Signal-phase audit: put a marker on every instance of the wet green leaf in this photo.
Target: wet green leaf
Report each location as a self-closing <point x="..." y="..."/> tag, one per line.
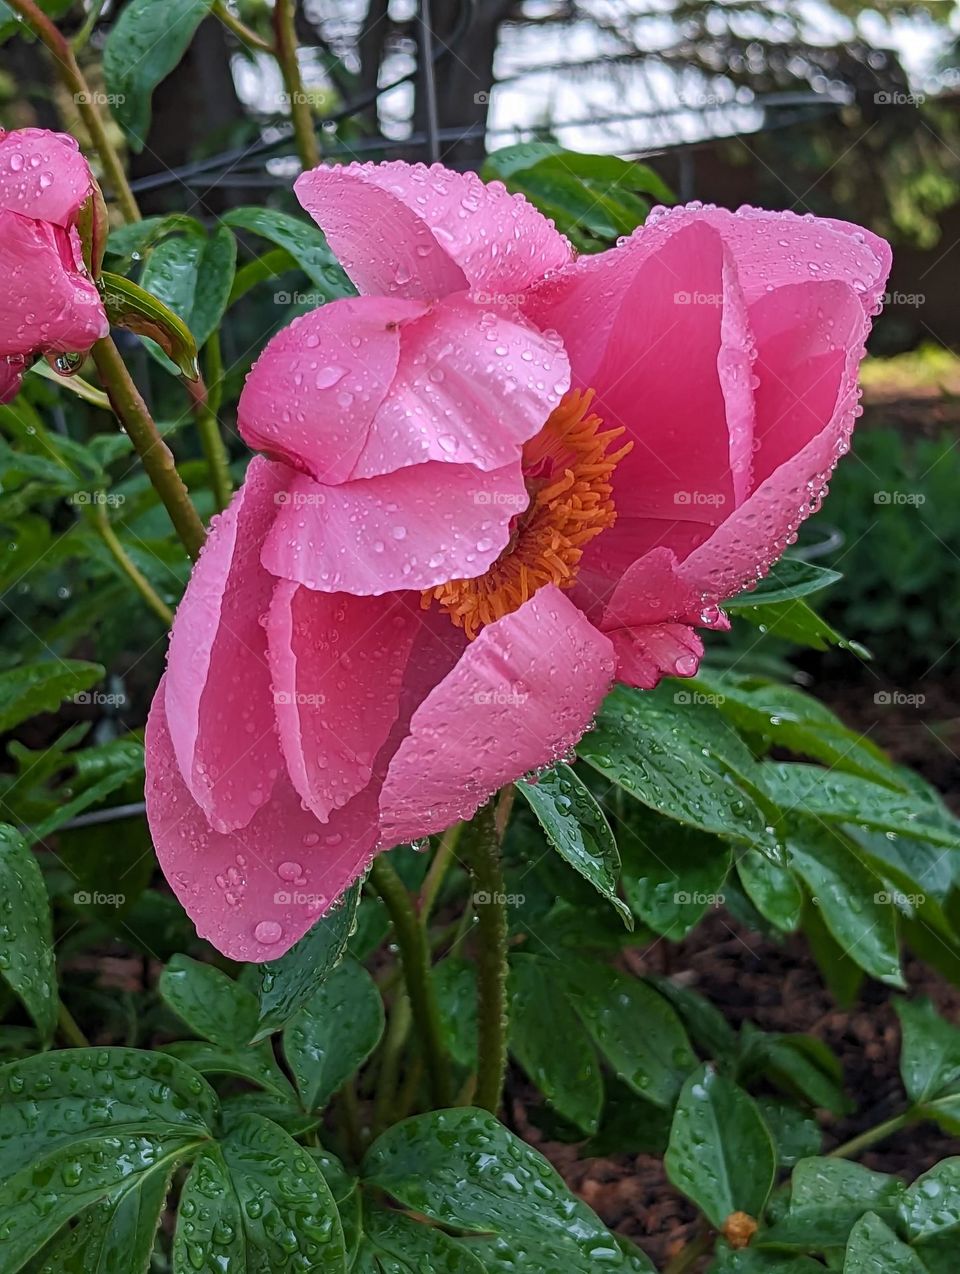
<point x="27" y="962"/>
<point x="212" y="1004"/>
<point x="873" y="1248"/>
<point x="304" y="241"/>
<point x="42" y="687"/>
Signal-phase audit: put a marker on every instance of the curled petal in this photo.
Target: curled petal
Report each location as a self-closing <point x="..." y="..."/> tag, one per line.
<point x="412" y="529"/>
<point x="42" y="175"/>
<point x="338" y="664"/>
<point x="253" y="891"/>
<point x="645" y="655"/>
<point x="520" y="696"/>
<point x="409" y="230"/>
<point x="49" y="302"/>
<point x="218" y="695"/>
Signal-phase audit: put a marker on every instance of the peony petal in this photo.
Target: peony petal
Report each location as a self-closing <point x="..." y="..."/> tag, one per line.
<point x="645" y="655"/>
<point x="410" y="230"/>
<point x="49" y="304"/>
<point x="254" y="891"/>
<point x="311" y="396"/>
<point x="338" y="665"/>
<point x="412" y="529"/>
<point x="472" y="385"/>
<point x="43" y="175"/>
<point x="744" y="547"/>
<point x="218" y="697"/>
<point x="520" y="697"/>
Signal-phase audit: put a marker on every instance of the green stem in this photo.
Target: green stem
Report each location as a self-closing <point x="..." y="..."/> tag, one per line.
<point x="438" y="869"/>
<point x="246" y="35"/>
<point x="415" y="959"/>
<point x="129" y="567"/>
<point x="211" y="440"/>
<point x="69" y="1029"/>
<point x="880" y="1132"/>
<point x="284" y="13"/>
<point x="89" y="22"/>
<point x="396" y="1037"/>
<point x="155" y="455"/>
<point x="481" y="850"/>
<point x="348" y="1110"/>
<point x="75" y="83"/>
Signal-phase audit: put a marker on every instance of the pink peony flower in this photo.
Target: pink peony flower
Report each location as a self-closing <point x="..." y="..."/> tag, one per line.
<point x="50" y="304"/>
<point x="496" y="481"/>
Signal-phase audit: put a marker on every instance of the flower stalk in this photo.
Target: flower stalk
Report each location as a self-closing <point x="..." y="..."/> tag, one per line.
<point x="156" y="457"/>
<point x="415" y="960"/>
<point x="286" y="54"/>
<point x="75" y="82"/>
<point x="480" y="847"/>
<point x="129" y="567"/>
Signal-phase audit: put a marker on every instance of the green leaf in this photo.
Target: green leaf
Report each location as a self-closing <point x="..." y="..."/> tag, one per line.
<point x="800" y="1064"/>
<point x="552" y="1047"/>
<point x="117" y="1234"/>
<point x="749" y="1260"/>
<point x="634" y="1028"/>
<point x="787" y="579"/>
<point x="305" y="243"/>
<point x="143" y="46"/>
<point x="212" y="1004"/>
<point x="796" y="1135"/>
<point x="53" y="1099"/>
<point x="193" y="276"/>
<point x="873" y="1248"/>
<point x="628" y="1124"/>
<point x="784" y="717"/>
<point x="828" y="1197"/>
<point x="130" y="306"/>
<point x="846" y="798"/>
<point x="577" y="828"/>
<point x="257" y="1201"/>
<point x="707" y="1026"/>
<point x="255" y="1063"/>
<point x="681" y="759"/>
<point x="851" y="899"/>
<point x="796" y="621"/>
<point x="283" y="986"/>
<point x="672" y="874"/>
<point x="395" y="1244"/>
<point x="42" y="687"/>
<point x="334" y="1033"/>
<point x="929" y="1054"/>
<point x="463" y="1169"/>
<point x="455" y="983"/>
<point x="26" y="935"/>
<point x="11" y="24"/>
<point x="721" y="1154"/>
<point x="930" y="1208"/>
<point x="772" y="889"/>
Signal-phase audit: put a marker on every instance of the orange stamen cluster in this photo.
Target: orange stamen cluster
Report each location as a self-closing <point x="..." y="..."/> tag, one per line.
<point x="567" y="470"/>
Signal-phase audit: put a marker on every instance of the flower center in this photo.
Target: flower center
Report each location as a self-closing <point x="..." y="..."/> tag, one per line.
<point x="567" y="471"/>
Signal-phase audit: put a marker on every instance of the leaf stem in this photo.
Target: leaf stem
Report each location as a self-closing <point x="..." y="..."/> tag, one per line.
<point x="73" y="79"/>
<point x="436" y="873"/>
<point x="863" y="1141"/>
<point x="396" y="1037"/>
<point x="156" y="456"/>
<point x="69" y="1029"/>
<point x="211" y="440"/>
<point x="286" y="54"/>
<point x="129" y="567"/>
<point x="415" y="960"/>
<point x="246" y="35"/>
<point x="480" y="847"/>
